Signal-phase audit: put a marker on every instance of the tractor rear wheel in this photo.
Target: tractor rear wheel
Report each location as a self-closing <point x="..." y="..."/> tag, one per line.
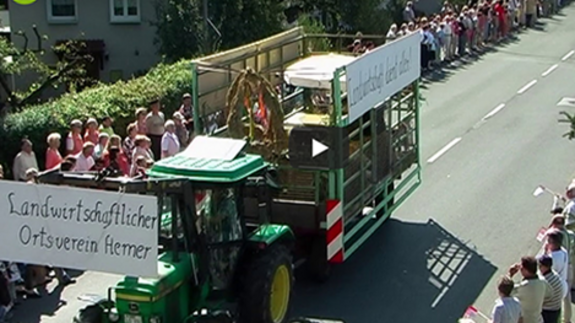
<point x="266" y="287"/>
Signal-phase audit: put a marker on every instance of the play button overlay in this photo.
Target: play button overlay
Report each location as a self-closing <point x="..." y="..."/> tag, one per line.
<point x="318" y="147"/>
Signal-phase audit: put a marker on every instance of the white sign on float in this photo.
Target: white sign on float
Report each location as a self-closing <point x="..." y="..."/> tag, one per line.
<point x="381" y="73"/>
<point x="79" y="228"/>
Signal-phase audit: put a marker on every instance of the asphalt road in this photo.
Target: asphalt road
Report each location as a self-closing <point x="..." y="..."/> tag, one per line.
<point x="489" y="136"/>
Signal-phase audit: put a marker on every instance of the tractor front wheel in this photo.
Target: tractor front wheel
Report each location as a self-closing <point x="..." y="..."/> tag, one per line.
<point x="90" y="314"/>
<point x="267" y="287"/>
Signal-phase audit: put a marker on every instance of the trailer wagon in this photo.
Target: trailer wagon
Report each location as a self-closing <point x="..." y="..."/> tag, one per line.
<point x="371" y="102"/>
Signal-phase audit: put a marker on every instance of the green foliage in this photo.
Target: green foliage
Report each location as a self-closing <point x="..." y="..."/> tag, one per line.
<point x="68" y="71"/>
<point x="569" y="119"/>
<point x="178" y="28"/>
<point x="367" y="16"/>
<point x="244" y="21"/>
<point x="118" y="100"/>
<point x="313" y="26"/>
<point x="181" y="27"/>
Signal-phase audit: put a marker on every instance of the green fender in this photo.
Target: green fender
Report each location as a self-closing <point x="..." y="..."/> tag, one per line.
<point x="268" y="234"/>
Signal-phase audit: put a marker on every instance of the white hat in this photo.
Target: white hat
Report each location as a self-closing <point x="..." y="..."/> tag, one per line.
<point x="571" y="186"/>
<point x="169" y="123"/>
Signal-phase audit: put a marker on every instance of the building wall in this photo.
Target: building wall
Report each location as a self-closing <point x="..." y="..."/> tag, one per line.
<point x="129" y="46"/>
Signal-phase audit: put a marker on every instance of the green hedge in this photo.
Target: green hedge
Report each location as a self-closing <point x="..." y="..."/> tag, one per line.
<point x="118" y="100"/>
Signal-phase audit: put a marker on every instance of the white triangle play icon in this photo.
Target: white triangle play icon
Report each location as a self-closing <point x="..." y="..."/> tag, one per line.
<point x="317" y="148"/>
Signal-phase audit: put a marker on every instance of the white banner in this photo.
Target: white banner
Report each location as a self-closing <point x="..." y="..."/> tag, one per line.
<point x="382" y="73"/>
<point x="79" y="228"/>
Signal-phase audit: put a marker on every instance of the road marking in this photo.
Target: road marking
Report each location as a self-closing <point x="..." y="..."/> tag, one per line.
<point x="494" y="111"/>
<point x="566" y="102"/>
<point x="566" y="57"/>
<point x="551" y="69"/>
<point x="444" y="150"/>
<point x="526" y="87"/>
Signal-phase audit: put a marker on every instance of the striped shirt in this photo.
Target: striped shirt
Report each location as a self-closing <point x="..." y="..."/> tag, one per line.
<point x="554" y="299"/>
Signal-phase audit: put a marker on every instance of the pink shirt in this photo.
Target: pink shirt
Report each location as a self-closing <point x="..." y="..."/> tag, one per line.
<point x="91" y="136"/>
<point x="53" y="158"/>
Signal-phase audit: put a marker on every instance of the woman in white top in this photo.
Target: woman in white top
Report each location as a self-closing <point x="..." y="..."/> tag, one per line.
<point x="392" y="33"/>
<point x="25" y="160"/>
<point x="141" y="148"/>
<point x="170" y="141"/>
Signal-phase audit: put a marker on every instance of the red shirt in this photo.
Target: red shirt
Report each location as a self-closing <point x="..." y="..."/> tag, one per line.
<point x="500" y="11"/>
<point x="53" y="158"/>
<point x="74" y="143"/>
<point x="122" y="161"/>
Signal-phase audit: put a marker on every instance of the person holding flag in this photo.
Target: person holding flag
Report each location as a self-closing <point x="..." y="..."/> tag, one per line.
<point x="569" y="209"/>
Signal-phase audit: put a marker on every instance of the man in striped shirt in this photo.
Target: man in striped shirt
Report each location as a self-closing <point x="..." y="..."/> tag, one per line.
<point x="554" y="299"/>
<point x="558" y="223"/>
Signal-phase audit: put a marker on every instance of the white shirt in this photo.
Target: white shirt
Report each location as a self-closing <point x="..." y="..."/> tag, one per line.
<point x="447" y="29"/>
<point x="570" y="212"/>
<point x="561" y="265"/>
<point x="506" y="310"/>
<point x="170" y="144"/>
<point x="83" y="163"/>
<point x="22" y="162"/>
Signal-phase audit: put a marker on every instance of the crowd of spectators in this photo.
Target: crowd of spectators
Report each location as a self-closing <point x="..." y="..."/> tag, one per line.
<point x="458" y="31"/>
<point x="543" y="294"/>
<point x="92" y="146"/>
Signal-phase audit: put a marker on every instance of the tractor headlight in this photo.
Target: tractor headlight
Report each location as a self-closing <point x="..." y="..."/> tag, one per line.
<point x="155" y="319"/>
<point x="113" y="315"/>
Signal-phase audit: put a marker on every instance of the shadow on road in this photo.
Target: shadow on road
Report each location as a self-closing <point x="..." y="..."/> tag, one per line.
<point x="31" y="310"/>
<point x="446" y="69"/>
<point x="406" y="272"/>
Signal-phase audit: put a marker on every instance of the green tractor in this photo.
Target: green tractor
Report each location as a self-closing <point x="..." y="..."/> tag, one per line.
<point x="216" y="263"/>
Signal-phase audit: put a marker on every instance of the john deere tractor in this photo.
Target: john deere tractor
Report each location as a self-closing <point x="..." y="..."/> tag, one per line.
<point x="216" y="263"/>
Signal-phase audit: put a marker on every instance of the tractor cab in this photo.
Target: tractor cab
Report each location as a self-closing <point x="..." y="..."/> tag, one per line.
<point x="214" y="260"/>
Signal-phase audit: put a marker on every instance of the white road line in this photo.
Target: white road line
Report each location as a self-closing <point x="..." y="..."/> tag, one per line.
<point x="551" y="69"/>
<point x="444" y="150"/>
<point x="494" y="111"/>
<point x="566" y="57"/>
<point x="526" y="87"/>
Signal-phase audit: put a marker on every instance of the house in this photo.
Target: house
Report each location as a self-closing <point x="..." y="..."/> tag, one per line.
<point x="118" y="33"/>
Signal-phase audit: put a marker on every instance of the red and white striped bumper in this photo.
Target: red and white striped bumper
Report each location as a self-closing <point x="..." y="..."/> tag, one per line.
<point x="334" y="219"/>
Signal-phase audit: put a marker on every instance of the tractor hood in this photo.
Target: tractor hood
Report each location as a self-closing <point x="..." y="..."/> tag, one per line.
<point x="148" y="290"/>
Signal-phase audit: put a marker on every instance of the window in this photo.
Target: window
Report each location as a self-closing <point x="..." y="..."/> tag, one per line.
<point x="125" y="11"/>
<point x="64" y="11"/>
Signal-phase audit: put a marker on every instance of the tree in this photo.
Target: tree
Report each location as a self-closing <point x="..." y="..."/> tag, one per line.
<point x="69" y="70"/>
<point x="181" y="29"/>
<point x="244" y="21"/>
<point x="367" y="16"/>
<point x="178" y="28"/>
